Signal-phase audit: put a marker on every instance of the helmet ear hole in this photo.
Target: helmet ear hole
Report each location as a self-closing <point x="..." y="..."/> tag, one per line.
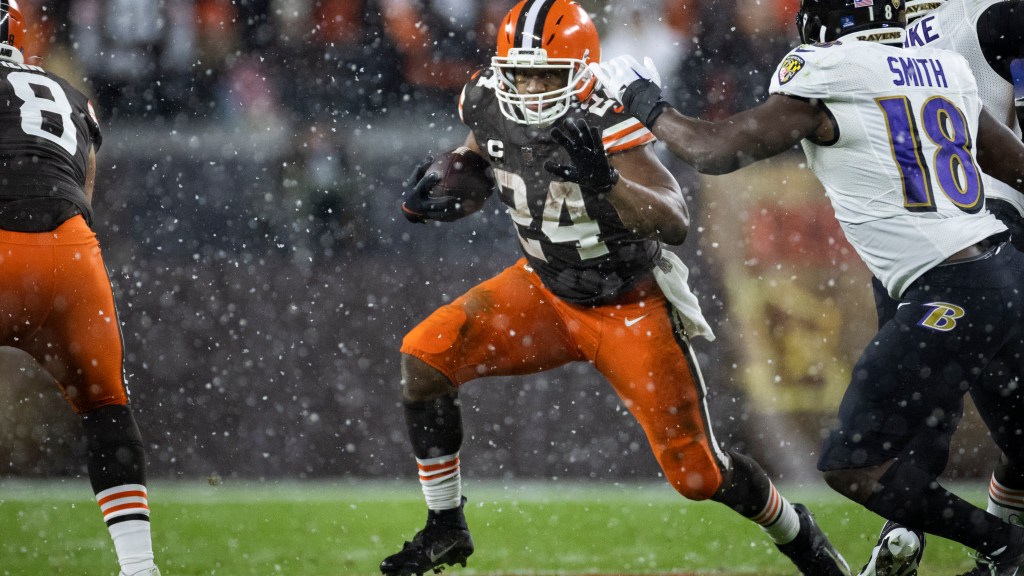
<point x="811" y="27"/>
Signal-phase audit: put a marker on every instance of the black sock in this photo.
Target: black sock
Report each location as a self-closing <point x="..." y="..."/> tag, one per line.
<point x="746" y="488"/>
<point x="435" y="426"/>
<point x="914" y="498"/>
<point x="116" y="455"/>
<point x="454" y="517"/>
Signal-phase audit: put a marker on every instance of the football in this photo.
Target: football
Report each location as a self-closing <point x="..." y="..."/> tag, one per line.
<point x="464" y="175"/>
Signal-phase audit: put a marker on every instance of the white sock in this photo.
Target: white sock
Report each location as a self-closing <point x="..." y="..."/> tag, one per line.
<point x="133" y="544"/>
<point x="1007" y="503"/>
<point x="126" y="511"/>
<point x="441" y="480"/>
<point x="778" y="519"/>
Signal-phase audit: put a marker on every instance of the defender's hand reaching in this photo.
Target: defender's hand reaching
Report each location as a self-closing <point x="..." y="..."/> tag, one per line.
<point x="636" y="85"/>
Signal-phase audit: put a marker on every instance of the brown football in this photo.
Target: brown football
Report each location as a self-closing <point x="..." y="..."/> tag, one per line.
<point x="464" y="175"/>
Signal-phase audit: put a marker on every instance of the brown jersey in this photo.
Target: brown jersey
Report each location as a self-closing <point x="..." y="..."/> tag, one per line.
<point x="578" y="245"/>
<point x="47" y="129"/>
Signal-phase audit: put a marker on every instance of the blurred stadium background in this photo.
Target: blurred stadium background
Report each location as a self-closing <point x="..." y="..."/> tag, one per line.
<point x="247" y="202"/>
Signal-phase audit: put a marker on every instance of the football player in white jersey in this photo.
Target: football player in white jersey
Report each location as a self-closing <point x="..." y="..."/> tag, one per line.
<point x="990" y="35"/>
<point x="901" y="142"/>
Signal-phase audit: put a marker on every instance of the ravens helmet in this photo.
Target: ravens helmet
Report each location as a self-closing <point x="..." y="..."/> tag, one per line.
<point x="820" y="21"/>
<point x="546" y="35"/>
<point x="12" y="32"/>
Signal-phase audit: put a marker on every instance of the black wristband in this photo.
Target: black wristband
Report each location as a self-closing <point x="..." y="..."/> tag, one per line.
<point x="659" y="107"/>
<point x="642" y="100"/>
<point x="604" y="189"/>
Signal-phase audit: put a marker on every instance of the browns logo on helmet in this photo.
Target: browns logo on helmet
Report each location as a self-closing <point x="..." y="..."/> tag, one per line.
<point x="12" y="32"/>
<point x="549" y="35"/>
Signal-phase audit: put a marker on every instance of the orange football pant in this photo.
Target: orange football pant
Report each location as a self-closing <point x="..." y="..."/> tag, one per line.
<point x="511" y="324"/>
<point x="56" y="303"/>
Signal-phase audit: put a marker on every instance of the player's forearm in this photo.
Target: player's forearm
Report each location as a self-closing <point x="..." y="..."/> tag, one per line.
<point x="656" y="213"/>
<point x="768" y="129"/>
<point x="698" y="143"/>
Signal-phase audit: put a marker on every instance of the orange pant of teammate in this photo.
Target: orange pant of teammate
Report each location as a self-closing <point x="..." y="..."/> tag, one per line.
<point x="511" y="324"/>
<point x="56" y="303"/>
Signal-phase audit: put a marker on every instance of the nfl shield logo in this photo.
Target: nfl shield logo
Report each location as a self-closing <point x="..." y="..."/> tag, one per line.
<point x="528" y="154"/>
<point x="789" y="68"/>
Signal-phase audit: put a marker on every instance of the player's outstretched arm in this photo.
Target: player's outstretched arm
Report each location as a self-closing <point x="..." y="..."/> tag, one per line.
<point x="1000" y="152"/>
<point x="645" y="195"/>
<point x="727" y="145"/>
<point x="711" y="147"/>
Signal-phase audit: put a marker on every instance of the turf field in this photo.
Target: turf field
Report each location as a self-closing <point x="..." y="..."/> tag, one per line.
<point x="321" y="529"/>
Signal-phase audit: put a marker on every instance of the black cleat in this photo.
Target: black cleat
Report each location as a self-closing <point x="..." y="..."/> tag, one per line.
<point x="444" y="541"/>
<point x="999" y="566"/>
<point x="811" y="551"/>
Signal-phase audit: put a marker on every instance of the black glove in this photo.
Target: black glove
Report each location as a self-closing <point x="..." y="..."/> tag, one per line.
<point x="590" y="167"/>
<point x="418" y="206"/>
<point x="642" y="100"/>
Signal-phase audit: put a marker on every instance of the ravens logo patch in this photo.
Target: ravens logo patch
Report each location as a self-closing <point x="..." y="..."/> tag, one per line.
<point x="789" y="67"/>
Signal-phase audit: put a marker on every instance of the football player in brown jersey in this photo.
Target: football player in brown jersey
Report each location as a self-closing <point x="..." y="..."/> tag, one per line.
<point x="592" y="205"/>
<point x="56" y="301"/>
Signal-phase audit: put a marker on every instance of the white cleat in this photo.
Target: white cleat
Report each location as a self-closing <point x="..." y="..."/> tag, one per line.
<point x="898" y="552"/>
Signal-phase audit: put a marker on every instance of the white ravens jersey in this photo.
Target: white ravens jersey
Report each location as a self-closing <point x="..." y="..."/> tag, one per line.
<point x="901" y="173"/>
<point x="954" y="26"/>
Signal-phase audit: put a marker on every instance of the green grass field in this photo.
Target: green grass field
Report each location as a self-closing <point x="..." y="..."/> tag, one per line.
<point x="333" y="529"/>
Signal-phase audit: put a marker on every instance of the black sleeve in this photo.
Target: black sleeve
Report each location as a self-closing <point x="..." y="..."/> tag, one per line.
<point x="1001" y="35"/>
